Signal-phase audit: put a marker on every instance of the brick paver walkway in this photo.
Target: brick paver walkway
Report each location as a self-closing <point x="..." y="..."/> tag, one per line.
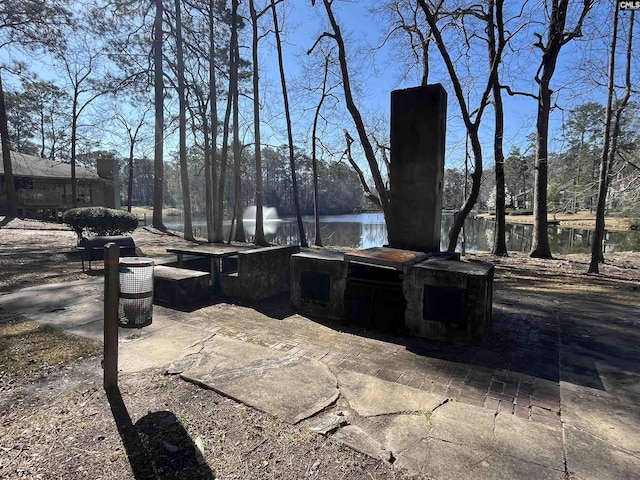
<point x="516" y="370"/>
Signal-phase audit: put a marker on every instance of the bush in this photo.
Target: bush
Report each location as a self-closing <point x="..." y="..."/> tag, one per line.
<point x="519" y="211"/>
<point x="100" y="221"/>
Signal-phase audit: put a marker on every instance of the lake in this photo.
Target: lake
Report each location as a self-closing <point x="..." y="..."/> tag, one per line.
<point x="366" y="230"/>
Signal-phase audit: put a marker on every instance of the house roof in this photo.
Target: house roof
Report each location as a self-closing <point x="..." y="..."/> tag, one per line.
<point x="24" y="165"/>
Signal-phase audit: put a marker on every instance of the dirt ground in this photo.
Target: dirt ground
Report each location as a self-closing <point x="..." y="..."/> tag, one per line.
<point x="58" y="422"/>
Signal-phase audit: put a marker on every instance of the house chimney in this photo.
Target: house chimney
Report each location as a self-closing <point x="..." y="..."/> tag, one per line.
<point x="107" y="167"/>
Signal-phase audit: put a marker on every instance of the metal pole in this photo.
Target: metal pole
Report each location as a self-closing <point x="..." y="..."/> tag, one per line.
<point x="111" y="294"/>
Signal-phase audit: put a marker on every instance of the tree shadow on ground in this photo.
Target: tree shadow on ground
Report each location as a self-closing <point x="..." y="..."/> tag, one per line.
<point x="157" y="445"/>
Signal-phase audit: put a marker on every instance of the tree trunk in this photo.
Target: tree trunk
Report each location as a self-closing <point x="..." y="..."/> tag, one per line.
<point x="314" y="156"/>
<point x="215" y="208"/>
<point x="259" y="238"/>
<point x="208" y="175"/>
<point x="476" y="177"/>
<point x="540" y="241"/>
<point x="237" y="206"/>
<point x="158" y="158"/>
<point x="182" y="128"/>
<point x="224" y="154"/>
<point x="557" y="37"/>
<point x="610" y="142"/>
<point x="10" y="186"/>
<point x="500" y="246"/>
<point x="292" y="161"/>
<point x="224" y="157"/>
<point x="130" y="182"/>
<point x="74" y="139"/>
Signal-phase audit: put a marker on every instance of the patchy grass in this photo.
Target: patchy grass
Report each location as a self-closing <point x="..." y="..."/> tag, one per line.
<point x="30" y="349"/>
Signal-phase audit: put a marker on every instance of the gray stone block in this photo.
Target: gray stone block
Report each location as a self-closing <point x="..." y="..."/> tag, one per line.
<point x="178" y="286"/>
<point x="448" y="300"/>
<point x="318" y="280"/>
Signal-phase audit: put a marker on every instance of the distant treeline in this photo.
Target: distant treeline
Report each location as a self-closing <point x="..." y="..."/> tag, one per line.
<point x="340" y="191"/>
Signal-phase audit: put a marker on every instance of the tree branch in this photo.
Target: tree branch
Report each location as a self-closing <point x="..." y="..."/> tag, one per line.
<point x="367" y="191"/>
<point x="325" y="34"/>
<point x="513" y="94"/>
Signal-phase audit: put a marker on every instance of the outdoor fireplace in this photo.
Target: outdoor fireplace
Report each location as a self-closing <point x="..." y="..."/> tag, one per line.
<point x="408" y="285"/>
<point x="374" y="297"/>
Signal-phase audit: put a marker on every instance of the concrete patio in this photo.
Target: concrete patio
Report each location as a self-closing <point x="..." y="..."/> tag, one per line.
<point x="554" y="390"/>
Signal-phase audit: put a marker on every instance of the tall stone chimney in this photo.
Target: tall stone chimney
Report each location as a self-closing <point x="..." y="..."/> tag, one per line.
<point x="418" y="126"/>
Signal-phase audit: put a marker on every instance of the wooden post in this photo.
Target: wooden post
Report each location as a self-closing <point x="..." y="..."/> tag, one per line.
<point x="111" y="294"/>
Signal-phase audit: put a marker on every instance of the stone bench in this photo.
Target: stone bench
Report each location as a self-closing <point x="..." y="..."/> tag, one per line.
<point x="173" y="286"/>
<point x="92" y="248"/>
<point x="261" y="273"/>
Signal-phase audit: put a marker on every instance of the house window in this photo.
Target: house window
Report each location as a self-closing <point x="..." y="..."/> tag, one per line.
<point x="84" y="194"/>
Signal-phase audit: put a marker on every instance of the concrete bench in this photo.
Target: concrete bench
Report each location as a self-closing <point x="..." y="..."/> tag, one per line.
<point x="92" y="248"/>
<point x="261" y="273"/>
<point x="173" y="286"/>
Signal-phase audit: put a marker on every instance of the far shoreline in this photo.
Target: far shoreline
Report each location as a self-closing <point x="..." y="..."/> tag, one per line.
<point x="580" y="220"/>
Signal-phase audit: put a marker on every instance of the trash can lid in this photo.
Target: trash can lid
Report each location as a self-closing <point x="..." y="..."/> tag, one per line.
<point x="136" y="261"/>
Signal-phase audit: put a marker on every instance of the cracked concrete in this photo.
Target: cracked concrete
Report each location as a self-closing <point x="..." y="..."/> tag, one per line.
<point x="287" y="386"/>
<point x="591" y="457"/>
<point x="370" y="396"/>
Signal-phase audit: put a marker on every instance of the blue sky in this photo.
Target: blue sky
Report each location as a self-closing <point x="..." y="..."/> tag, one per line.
<point x="580" y="63"/>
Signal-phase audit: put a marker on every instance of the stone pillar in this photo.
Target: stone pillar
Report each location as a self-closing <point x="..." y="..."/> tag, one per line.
<point x="418" y="125"/>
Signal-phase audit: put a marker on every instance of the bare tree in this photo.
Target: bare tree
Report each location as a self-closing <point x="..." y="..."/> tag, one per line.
<point x="259" y="233"/>
<point x="182" y="125"/>
<point x="199" y="110"/>
<point x="82" y="62"/>
<point x="216" y="210"/>
<point x="404" y="16"/>
<point x="158" y="83"/>
<point x="314" y="149"/>
<point x="133" y="132"/>
<point x="611" y="133"/>
<point x="224" y="154"/>
<point x="381" y="198"/>
<point x="233" y="80"/>
<point x="557" y="37"/>
<point x="287" y="112"/>
<point x="471" y="119"/>
<point x="496" y="40"/>
<point x="202" y="32"/>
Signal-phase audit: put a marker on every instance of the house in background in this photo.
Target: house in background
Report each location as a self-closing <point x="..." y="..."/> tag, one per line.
<point x="44" y="186"/>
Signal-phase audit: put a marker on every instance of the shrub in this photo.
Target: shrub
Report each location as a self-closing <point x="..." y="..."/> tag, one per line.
<point x="100" y="221"/>
<point x="632" y="212"/>
<point x="519" y="211"/>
